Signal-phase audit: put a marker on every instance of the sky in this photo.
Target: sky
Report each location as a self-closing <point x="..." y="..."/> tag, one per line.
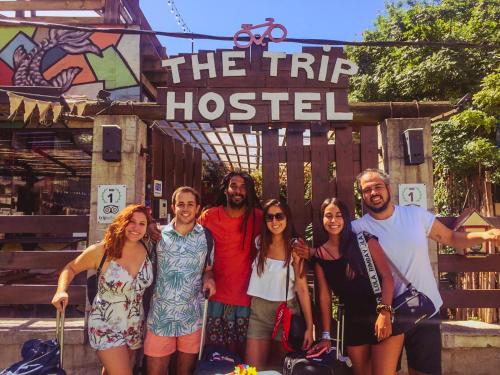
<point x="325" y="19"/>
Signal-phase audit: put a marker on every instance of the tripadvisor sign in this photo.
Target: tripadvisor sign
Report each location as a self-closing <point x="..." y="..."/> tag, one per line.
<point x="258" y="86"/>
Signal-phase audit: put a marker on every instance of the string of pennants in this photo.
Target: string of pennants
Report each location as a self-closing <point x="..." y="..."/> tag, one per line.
<point x="46" y="111"/>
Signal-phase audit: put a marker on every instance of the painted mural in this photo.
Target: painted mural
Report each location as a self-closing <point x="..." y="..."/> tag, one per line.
<point x="81" y="63"/>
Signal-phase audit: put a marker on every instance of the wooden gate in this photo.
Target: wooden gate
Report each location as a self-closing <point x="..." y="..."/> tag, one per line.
<point x="333" y="167"/>
<point x="175" y="164"/>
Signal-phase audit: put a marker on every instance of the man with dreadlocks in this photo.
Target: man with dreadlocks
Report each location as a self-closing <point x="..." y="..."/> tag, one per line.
<point x="234" y="224"/>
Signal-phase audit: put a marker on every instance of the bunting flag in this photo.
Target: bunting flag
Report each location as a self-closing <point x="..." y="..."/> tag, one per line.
<point x="18" y="102"/>
<point x="15" y="103"/>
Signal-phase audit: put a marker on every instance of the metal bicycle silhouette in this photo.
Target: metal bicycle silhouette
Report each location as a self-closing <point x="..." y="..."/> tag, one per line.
<point x="258" y="39"/>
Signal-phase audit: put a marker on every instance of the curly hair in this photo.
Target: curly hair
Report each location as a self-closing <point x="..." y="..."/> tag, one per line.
<point x="114" y="238"/>
<point x="266" y="236"/>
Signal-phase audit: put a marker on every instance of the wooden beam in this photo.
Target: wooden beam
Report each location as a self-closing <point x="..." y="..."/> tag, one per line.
<point x="52" y="5"/>
<point x="39" y="294"/>
<point x="148" y="86"/>
<point x="365" y="113"/>
<point x="470" y="298"/>
<point x="53" y="224"/>
<point x="68" y="20"/>
<point x="112" y="12"/>
<point x="460" y="263"/>
<point x="14" y="260"/>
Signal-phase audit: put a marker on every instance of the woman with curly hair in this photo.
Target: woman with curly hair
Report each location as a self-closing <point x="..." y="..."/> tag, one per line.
<point x="116" y="319"/>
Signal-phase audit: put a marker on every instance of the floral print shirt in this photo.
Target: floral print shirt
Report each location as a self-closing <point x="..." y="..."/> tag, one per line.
<point x="176" y="307"/>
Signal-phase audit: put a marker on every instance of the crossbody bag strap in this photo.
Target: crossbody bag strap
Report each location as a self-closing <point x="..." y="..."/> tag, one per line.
<point x="101" y="263"/>
<point x="401" y="276"/>
<point x="370" y="266"/>
<point x="287" y="282"/>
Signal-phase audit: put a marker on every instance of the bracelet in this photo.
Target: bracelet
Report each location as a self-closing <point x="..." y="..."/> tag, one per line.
<point x="382" y="307"/>
<point x="325" y="335"/>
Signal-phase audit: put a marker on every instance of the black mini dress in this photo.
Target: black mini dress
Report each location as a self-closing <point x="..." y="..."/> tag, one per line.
<point x="358" y="298"/>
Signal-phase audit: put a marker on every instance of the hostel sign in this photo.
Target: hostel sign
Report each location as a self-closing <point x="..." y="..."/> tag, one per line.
<point x="258" y="86"/>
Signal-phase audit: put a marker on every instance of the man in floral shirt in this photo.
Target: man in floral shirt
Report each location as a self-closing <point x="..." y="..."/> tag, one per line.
<point x="184" y="272"/>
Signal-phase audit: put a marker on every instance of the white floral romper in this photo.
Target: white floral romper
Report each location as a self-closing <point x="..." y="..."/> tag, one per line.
<point x="117" y="315"/>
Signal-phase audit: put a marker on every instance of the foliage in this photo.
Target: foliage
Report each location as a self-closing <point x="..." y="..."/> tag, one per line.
<point x="464" y="148"/>
<point x="409" y="73"/>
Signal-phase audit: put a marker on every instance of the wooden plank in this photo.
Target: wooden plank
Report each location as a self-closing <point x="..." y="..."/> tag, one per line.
<point x="197" y="169"/>
<point x="270" y="165"/>
<point x="112" y="12"/>
<point x="320" y="178"/>
<point x="53" y="224"/>
<point x="52" y="5"/>
<point x="156" y="168"/>
<point x="344" y="167"/>
<point x="179" y="164"/>
<point x="369" y="147"/>
<point x="69" y="20"/>
<point x="36" y="259"/>
<point x="168" y="166"/>
<point x="295" y="177"/>
<point x="188" y="164"/>
<point x="460" y="263"/>
<point x="470" y="298"/>
<point x="39" y="294"/>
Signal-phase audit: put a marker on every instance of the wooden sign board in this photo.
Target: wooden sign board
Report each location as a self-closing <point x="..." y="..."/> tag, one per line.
<point x="258" y="86"/>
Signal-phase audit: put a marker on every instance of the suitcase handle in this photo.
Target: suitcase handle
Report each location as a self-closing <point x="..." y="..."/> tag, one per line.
<point x="60" y="335"/>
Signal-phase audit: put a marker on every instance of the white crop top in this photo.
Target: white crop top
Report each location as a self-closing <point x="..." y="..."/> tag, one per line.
<point x="271" y="284"/>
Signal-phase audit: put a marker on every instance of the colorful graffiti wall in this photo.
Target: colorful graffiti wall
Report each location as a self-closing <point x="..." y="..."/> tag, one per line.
<point x="81" y="63"/>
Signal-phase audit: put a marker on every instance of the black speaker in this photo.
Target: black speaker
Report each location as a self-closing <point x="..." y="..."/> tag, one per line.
<point x="111" y="143"/>
<point x="413" y="144"/>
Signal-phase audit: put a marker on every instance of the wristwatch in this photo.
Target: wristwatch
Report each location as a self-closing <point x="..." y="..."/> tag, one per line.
<point x="382" y="307"/>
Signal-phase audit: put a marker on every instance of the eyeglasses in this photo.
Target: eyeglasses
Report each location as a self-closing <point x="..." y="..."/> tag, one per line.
<point x="279" y="216"/>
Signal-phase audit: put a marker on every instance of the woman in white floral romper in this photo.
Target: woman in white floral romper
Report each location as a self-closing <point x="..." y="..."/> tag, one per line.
<point x="116" y="320"/>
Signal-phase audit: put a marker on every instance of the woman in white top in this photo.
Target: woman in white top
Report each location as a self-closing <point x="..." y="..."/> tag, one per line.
<point x="268" y="285"/>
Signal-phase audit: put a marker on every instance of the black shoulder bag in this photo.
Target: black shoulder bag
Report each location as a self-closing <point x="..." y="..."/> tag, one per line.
<point x="297" y="323"/>
<point x="410" y="307"/>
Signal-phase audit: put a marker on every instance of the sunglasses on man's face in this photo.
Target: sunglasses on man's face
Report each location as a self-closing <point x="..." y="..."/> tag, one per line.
<point x="279" y="216"/>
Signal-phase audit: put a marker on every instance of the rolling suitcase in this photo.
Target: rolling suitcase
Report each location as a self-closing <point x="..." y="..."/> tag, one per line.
<point x="41" y="357"/>
<point x="214" y="360"/>
<point x="330" y="363"/>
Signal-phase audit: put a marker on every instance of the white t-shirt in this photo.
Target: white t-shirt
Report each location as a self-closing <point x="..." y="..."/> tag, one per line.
<point x="403" y="237"/>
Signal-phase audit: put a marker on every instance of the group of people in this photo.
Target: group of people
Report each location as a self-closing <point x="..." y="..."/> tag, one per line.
<point x="256" y="265"/>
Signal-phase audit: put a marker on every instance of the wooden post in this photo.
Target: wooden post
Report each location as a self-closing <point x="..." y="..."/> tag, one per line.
<point x="270" y="164"/>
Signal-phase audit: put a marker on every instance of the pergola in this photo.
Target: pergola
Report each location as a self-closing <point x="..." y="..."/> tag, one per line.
<point x="237" y="146"/>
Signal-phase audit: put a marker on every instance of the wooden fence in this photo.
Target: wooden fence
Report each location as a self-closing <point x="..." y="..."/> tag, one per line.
<point x="333" y="167"/>
<point x="15" y="289"/>
<point x="175" y="164"/>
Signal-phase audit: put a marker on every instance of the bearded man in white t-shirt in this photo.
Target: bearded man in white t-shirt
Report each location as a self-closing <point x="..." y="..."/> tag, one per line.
<point x="403" y="233"/>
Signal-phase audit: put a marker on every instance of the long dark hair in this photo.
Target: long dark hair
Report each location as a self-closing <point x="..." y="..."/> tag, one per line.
<point x="267" y="236"/>
<point x="348" y="246"/>
<point x="252" y="202"/>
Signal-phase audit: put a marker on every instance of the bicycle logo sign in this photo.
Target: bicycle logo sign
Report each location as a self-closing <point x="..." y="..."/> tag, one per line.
<point x="259" y="39"/>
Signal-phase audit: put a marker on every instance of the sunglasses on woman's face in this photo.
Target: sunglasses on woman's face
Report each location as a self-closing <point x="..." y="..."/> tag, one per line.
<point x="279" y="216"/>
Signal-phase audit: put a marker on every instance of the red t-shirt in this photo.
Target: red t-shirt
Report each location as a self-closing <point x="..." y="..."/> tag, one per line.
<point x="232" y="263"/>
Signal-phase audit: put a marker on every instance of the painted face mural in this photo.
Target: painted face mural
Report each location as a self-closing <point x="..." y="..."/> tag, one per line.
<point x="79" y="62"/>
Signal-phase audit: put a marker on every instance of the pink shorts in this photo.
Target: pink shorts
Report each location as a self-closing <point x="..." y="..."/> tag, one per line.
<point x="161" y="346"/>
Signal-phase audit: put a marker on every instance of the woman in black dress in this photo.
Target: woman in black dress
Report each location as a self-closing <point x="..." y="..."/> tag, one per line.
<point x="339" y="267"/>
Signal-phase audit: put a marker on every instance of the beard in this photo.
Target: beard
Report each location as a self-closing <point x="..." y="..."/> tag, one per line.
<point x="379" y="209"/>
<point x="234" y="204"/>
